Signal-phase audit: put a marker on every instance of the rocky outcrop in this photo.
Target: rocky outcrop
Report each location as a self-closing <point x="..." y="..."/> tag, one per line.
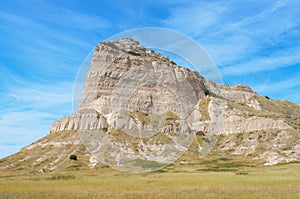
<point x="237" y="124"/>
<point x="89" y="120"/>
<point x="144" y="106"/>
<point x="112" y="61"/>
<point x="153" y="79"/>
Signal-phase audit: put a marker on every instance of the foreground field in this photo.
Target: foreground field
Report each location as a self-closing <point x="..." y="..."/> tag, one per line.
<point x="281" y="181"/>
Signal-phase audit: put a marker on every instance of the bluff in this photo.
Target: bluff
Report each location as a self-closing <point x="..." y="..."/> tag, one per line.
<point x="143" y="104"/>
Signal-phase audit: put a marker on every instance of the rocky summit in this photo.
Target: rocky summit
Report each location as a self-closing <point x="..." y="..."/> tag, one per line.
<point x="140" y="110"/>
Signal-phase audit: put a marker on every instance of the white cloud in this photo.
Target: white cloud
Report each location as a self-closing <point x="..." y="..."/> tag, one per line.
<point x="194" y="18"/>
<point x="21" y="128"/>
<point x="262" y="64"/>
<point x="231" y="49"/>
<point x="285" y="89"/>
<point x="234" y="31"/>
<point x="277" y="87"/>
<point x="235" y="26"/>
<point x="37" y="96"/>
<point x="80" y="20"/>
<point x="246" y="37"/>
<point x="52" y="14"/>
<point x="28" y="110"/>
<point x="24" y="119"/>
<point x="26" y="94"/>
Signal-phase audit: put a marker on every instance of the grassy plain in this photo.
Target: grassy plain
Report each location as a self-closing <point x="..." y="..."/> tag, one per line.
<point x="281" y="181"/>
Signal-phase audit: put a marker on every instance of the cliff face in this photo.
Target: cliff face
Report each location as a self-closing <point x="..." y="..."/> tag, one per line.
<point x="145" y="70"/>
<point x="144" y="104"/>
<point x="152" y="83"/>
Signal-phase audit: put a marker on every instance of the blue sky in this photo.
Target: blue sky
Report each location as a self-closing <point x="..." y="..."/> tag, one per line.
<point x="43" y="44"/>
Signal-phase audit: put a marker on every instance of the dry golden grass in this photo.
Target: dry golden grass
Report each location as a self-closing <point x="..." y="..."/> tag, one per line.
<point x="281" y="181"/>
<point x="203" y="108"/>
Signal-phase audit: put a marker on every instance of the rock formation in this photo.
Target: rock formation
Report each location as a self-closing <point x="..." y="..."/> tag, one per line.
<point x="132" y="93"/>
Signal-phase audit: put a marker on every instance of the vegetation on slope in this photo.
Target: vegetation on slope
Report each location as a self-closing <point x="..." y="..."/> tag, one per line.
<point x="203" y="108"/>
<point x="276" y="109"/>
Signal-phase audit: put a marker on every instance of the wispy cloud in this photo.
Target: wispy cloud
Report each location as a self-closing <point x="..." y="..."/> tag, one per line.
<point x="288" y="87"/>
<point x="42" y="46"/>
<point x="246" y="39"/>
<point x="262" y="64"/>
<point x="28" y="109"/>
<point x="29" y="95"/>
<point x="240" y="24"/>
<point x="56" y="41"/>
<point x="81" y="21"/>
<point x="22" y="128"/>
<point x="41" y="96"/>
<point x="50" y="13"/>
<point x="277" y="87"/>
<point x="23" y="119"/>
<point x="235" y="31"/>
<point x="194" y="18"/>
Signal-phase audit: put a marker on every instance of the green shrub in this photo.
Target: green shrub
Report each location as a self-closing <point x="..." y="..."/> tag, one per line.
<point x="241" y="173"/>
<point x="200" y="133"/>
<point x="73" y="157"/>
<point x="62" y="177"/>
